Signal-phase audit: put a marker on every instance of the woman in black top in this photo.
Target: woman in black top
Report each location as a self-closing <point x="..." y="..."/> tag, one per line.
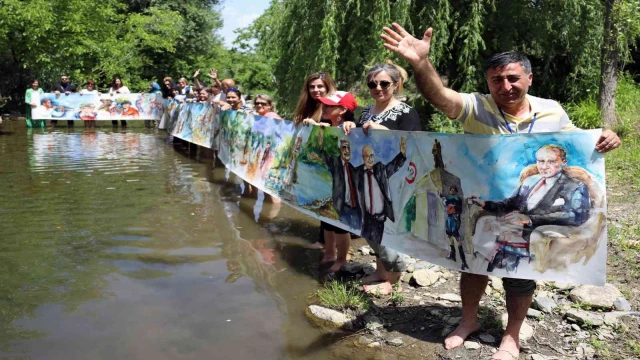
<point x="385" y="83"/>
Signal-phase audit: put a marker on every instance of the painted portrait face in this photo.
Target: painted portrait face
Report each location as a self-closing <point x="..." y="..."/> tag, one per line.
<point x="453" y="191"/>
<point x="126" y="105"/>
<point x="46" y="103"/>
<point x="368" y="156"/>
<point x="384" y="87"/>
<point x="508" y="85"/>
<point x="549" y="163"/>
<point x="317" y="89"/>
<point x="345" y="150"/>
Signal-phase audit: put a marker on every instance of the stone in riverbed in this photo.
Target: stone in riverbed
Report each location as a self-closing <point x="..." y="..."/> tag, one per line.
<point x="472" y="345"/>
<point x="584" y="317"/>
<point x="487" y="338"/>
<point x="496" y="283"/>
<point x="533" y="313"/>
<point x="369" y="269"/>
<point x="622" y="304"/>
<point x="595" y="296"/>
<point x="407" y="277"/>
<point x="353" y="268"/>
<point x="526" y="331"/>
<point x="395" y="342"/>
<point x="425" y="277"/>
<point x="450" y="297"/>
<point x="328" y="316"/>
<point x="545" y="304"/>
<point x="537" y="357"/>
<point x="363" y="340"/>
<point x="365" y="250"/>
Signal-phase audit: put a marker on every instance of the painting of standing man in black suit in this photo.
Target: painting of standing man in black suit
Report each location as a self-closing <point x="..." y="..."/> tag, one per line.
<point x="374" y="194"/>
<point x="344" y="186"/>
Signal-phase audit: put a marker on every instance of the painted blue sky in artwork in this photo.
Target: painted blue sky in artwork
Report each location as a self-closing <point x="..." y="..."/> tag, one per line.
<point x="488" y="165"/>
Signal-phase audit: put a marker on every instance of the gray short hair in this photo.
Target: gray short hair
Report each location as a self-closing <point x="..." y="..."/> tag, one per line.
<point x="498" y="61"/>
<point x="343" y="140"/>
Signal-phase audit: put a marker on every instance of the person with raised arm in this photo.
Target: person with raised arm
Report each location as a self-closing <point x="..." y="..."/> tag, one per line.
<point x="507" y="109"/>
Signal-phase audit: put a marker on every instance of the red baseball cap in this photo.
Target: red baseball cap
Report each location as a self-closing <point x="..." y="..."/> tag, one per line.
<point x="340" y="98"/>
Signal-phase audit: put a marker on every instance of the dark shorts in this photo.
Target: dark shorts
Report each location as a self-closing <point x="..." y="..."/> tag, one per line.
<point x="518" y="287"/>
<point x="329" y="227"/>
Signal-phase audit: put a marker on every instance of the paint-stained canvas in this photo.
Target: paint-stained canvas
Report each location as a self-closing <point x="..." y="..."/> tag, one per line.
<point x="90" y="107"/>
<point x="524" y="206"/>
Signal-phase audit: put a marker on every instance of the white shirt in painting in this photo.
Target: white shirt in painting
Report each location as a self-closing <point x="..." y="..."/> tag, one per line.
<point x="378" y="203"/>
<point x="347" y="188"/>
<point x="541" y="189"/>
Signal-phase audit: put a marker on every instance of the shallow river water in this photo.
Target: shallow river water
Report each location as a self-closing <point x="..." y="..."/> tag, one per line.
<point x="115" y="245"/>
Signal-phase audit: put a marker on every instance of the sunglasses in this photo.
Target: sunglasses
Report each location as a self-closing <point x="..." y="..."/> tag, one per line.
<point x="261" y="103"/>
<point x="384" y="84"/>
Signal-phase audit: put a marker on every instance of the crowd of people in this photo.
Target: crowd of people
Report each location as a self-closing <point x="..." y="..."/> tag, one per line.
<point x="220" y="93"/>
<point x="507" y="109"/>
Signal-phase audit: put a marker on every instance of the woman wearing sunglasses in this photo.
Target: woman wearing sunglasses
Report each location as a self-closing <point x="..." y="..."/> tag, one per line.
<point x="263" y="106"/>
<point x="388" y="113"/>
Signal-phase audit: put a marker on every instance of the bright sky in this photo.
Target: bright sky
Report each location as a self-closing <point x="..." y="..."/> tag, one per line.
<point x="238" y="14"/>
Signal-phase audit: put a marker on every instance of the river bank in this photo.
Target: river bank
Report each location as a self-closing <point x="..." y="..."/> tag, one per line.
<point x="565" y="322"/>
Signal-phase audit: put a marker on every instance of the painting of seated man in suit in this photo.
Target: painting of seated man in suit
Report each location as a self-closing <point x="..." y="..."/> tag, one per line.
<point x="550" y="194"/>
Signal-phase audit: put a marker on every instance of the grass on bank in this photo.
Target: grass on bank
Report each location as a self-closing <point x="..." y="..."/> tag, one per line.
<point x="342" y="296"/>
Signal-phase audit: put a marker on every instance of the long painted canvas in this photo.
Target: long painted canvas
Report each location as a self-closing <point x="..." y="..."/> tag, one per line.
<point x="90" y="107"/>
<point x="523" y="206"/>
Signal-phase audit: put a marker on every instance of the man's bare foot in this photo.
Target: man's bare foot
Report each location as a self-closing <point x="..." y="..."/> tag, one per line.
<point x="372" y="279"/>
<point x="336" y="266"/>
<point x="509" y="349"/>
<point x="384" y="288"/>
<point x="457" y="337"/>
<point x="326" y="260"/>
<point x="316" y="246"/>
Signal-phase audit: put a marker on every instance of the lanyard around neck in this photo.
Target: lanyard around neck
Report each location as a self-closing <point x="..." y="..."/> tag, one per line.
<point x="506" y="123"/>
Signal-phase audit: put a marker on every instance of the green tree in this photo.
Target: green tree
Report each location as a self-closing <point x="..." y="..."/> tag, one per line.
<point x="563" y="39"/>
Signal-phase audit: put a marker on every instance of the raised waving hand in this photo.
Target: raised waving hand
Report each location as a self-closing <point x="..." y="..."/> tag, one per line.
<point x="404" y="44"/>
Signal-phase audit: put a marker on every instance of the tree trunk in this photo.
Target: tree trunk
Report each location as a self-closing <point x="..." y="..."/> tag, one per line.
<point x="609" y="67"/>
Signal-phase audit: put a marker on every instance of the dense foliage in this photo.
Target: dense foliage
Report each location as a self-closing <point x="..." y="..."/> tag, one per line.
<point x="563" y="38"/>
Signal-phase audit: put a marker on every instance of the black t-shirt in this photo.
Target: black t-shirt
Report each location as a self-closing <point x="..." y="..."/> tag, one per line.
<point x="400" y="117"/>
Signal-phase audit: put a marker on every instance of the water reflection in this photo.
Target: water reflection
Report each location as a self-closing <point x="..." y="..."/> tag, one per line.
<point x="115" y="246"/>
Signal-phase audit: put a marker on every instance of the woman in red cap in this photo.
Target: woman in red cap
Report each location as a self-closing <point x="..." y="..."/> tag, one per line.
<point x="336" y="109"/>
<point x="388" y="113"/>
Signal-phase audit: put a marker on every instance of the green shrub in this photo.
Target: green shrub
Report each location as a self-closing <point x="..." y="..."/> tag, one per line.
<point x="442" y="124"/>
<point x="342" y="296"/>
<point x="585" y="114"/>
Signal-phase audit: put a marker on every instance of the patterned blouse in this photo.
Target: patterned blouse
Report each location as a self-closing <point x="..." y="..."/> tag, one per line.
<point x="399" y="117"/>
